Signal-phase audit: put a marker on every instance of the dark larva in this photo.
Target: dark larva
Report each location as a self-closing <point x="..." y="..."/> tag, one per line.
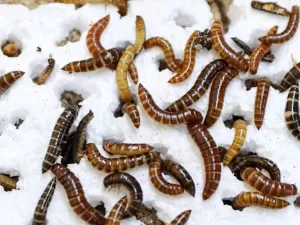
<point x="7" y="80"/>
<point x="117" y="148"/>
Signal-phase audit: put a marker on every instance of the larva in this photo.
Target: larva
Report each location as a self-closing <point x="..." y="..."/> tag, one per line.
<point x="76" y="196"/>
<point x="181" y="175"/>
<point x="211" y="156"/>
<point x="133" y="73"/>
<point x="164" y="117"/>
<point x="116" y="164"/>
<point x="290" y="78"/>
<point x="59" y="136"/>
<point x="104" y="59"/>
<point x="117" y="148"/>
<point x="289" y="31"/>
<point x="7" y="80"/>
<point x="182" y="218"/>
<point x="266" y="185"/>
<point x="270" y="7"/>
<point x="40" y="212"/>
<point x="158" y="181"/>
<point x="200" y="86"/>
<point x="132" y="112"/>
<point x="240" y="127"/>
<point x="116" y="214"/>
<point x="217" y="94"/>
<point x="224" y="50"/>
<point x="8" y="183"/>
<point x="292" y="112"/>
<point x="259" y="52"/>
<point x="46" y="72"/>
<point x="140" y="34"/>
<point x="132" y="185"/>
<point x="247" y="199"/>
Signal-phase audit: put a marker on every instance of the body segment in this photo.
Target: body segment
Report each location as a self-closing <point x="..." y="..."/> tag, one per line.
<point x="133" y="113"/>
<point x="291" y="78"/>
<point x="117" y="212"/>
<point x="7" y="80"/>
<point x="182" y="218"/>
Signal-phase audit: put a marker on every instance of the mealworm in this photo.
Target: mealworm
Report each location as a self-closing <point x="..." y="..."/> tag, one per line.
<point x="7" y="80"/>
<point x="200" y="86"/>
<point x="292" y="112"/>
<point x="258" y="162"/>
<point x="69" y="150"/>
<point x="164" y="117"/>
<point x="117" y="148"/>
<point x="211" y="156"/>
<point x="182" y="218"/>
<point x="217" y="94"/>
<point x="116" y="164"/>
<point x="40" y="212"/>
<point x="46" y="72"/>
<point x="59" y="136"/>
<point x="270" y="7"/>
<point x="290" y="78"/>
<point x="105" y="58"/>
<point x="11" y="50"/>
<point x="80" y="136"/>
<point x="8" y="183"/>
<point x="133" y="73"/>
<point x="289" y="31"/>
<point x="140" y="34"/>
<point x="133" y="186"/>
<point x="259" y="52"/>
<point x="240" y="127"/>
<point x="224" y="50"/>
<point x="159" y="181"/>
<point x="76" y="196"/>
<point x="266" y="185"/>
<point x="132" y="112"/>
<point x="247" y="199"/>
<point x="181" y="175"/>
<point x="261" y="99"/>
<point x="117" y="212"/>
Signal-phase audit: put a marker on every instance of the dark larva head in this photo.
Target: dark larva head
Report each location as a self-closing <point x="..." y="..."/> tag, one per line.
<point x="51" y="61"/>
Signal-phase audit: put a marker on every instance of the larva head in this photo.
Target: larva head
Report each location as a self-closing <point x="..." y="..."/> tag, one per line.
<point x="59" y="170"/>
<point x="273" y="30"/>
<point x="193" y="115"/>
<point x="294" y="189"/>
<point x="90" y="148"/>
<point x="216" y="26"/>
<point x="51" y="61"/>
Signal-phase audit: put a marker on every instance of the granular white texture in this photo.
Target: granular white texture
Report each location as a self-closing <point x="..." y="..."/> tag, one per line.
<point x="22" y="150"/>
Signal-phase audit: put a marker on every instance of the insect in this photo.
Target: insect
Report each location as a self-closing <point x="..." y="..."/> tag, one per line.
<point x="266" y="185"/>
<point x="105" y="58"/>
<point x="132" y="112"/>
<point x="200" y="87"/>
<point x="11" y="50"/>
<point x="211" y="156"/>
<point x="7" y="80"/>
<point x="217" y="94"/>
<point x="159" y="182"/>
<point x="117" y="148"/>
<point x="40" y="212"/>
<point x="224" y="50"/>
<point x="70" y="98"/>
<point x="247" y="199"/>
<point x="117" y="212"/>
<point x="59" y="136"/>
<point x="240" y="127"/>
<point x="116" y="164"/>
<point x="46" y="72"/>
<point x="164" y="117"/>
<point x="181" y="175"/>
<point x="182" y="218"/>
<point x="8" y="183"/>
<point x="76" y="196"/>
<point x="289" y="31"/>
<point x="140" y="34"/>
<point x="270" y="7"/>
<point x="291" y="77"/>
<point x="133" y="186"/>
<point x="259" y="52"/>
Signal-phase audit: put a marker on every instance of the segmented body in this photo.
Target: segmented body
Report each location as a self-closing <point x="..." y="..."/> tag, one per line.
<point x="240" y="127"/>
<point x="59" y="136"/>
<point x="289" y="31"/>
<point x="291" y="114"/>
<point x="116" y="164"/>
<point x="247" y="199"/>
<point x="290" y="78"/>
<point x="266" y="185"/>
<point x="140" y="34"/>
<point x="182" y="218"/>
<point x="200" y="87"/>
<point x="132" y="185"/>
<point x="224" y="50"/>
<point x="117" y="212"/>
<point x="133" y="73"/>
<point x="211" y="156"/>
<point x="47" y="71"/>
<point x="270" y="7"/>
<point x="164" y="117"/>
<point x="117" y="148"/>
<point x="217" y="94"/>
<point x="40" y="212"/>
<point x="7" y="80"/>
<point x="8" y="183"/>
<point x="132" y="112"/>
<point x="69" y="150"/>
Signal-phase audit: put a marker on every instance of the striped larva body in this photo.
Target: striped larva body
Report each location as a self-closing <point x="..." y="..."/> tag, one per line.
<point x="182" y="218"/>
<point x="266" y="185"/>
<point x="291" y="78"/>
<point x="140" y="34"/>
<point x="8" y="79"/>
<point x="289" y="31"/>
<point x="76" y="196"/>
<point x="116" y="164"/>
<point x="164" y="117"/>
<point x="211" y="156"/>
<point x="240" y="127"/>
<point x="69" y="150"/>
<point x="133" y="113"/>
<point x="270" y="7"/>
<point x="117" y="212"/>
<point x="59" y="136"/>
<point x="46" y="72"/>
<point x="117" y="148"/>
<point x="8" y="183"/>
<point x="200" y="87"/>
<point x="133" y="73"/>
<point x="40" y="212"/>
<point x="224" y="50"/>
<point x="217" y="94"/>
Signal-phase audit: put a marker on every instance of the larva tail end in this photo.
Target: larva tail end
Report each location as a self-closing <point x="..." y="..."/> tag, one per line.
<point x="191" y="190"/>
<point x="262" y="39"/>
<point x="173" y="80"/>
